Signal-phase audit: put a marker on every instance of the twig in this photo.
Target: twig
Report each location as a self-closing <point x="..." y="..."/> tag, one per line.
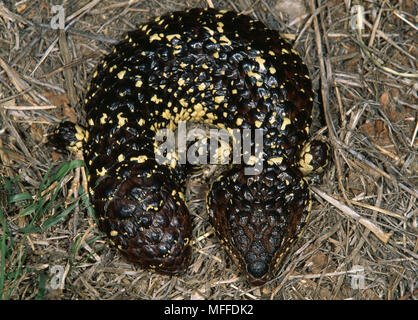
<point x="414" y="192"/>
<point x="210" y="4"/>
<point x="380" y="65"/>
<point x="400" y="16"/>
<point x="82" y="11"/>
<point x="19" y="83"/>
<point x="374" y="208"/>
<point x="325" y="94"/>
<point x="384" y="237"/>
<point x="28" y="107"/>
<point x="68" y="74"/>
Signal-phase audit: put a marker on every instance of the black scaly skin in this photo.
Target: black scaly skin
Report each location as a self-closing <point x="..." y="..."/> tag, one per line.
<point x="213" y="67"/>
<point x="258" y="217"/>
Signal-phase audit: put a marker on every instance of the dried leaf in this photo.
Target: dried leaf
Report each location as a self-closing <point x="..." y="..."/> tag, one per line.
<point x="384" y="99"/>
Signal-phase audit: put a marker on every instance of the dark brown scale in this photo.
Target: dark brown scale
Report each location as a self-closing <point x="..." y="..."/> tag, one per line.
<point x="152" y="225"/>
<point x="220" y="69"/>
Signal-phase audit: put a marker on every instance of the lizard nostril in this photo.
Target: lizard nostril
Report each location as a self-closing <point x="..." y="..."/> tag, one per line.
<point x="257" y="269"/>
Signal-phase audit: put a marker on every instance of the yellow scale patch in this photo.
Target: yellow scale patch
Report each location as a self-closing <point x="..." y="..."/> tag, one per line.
<point x="103" y="118"/>
<point x="172" y="36"/>
<point x="198" y="113"/>
<point x="166" y="114"/>
<point x="211" y="32"/>
<point x="139" y="159"/>
<point x="101" y="172"/>
<point x="220" y="27"/>
<point x="155" y="36"/>
<point x="121" y="120"/>
<point x="261" y="62"/>
<point x="113" y="233"/>
<point x="121" y="74"/>
<point x="254" y="74"/>
<point x="219" y="99"/>
<point x="201" y="86"/>
<point x="181" y="82"/>
<point x="224" y="40"/>
<point x="275" y="160"/>
<point x="155" y="99"/>
<point x="286" y="122"/>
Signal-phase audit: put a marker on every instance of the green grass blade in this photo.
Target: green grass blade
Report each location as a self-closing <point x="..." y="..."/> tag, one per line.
<point x="20" y="197"/>
<point x="3" y="251"/>
<point x="58" y="216"/>
<point x="42" y="286"/>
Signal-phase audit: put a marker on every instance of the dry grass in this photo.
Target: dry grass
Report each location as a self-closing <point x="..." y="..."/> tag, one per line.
<point x="365" y="211"/>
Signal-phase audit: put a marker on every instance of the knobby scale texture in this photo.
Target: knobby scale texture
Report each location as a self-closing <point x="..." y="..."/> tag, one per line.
<point x="219" y="69"/>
